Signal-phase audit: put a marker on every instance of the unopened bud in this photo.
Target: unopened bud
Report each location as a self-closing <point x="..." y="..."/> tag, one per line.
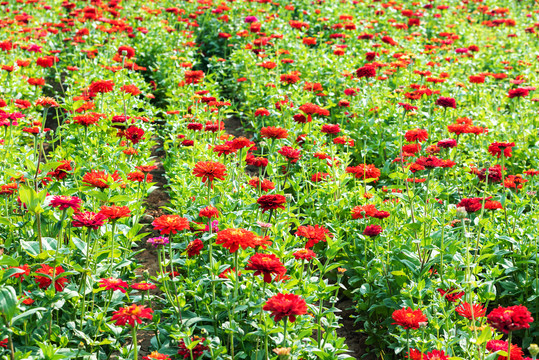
<point x="461" y="213"/>
<point x="534" y="350"/>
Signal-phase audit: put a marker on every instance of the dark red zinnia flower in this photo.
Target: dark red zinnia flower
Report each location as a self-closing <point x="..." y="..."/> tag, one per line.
<point x="271" y="202"/>
<point x="510" y="318"/>
<point x="446" y="102"/>
<point x="408" y="318"/>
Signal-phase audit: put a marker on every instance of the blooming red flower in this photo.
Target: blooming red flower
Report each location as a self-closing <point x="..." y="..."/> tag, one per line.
<point x="304" y="254"/>
<point x="233" y="239"/>
<point x="197" y="351"/>
<point x="416" y="135"/>
<point x="265" y="264"/>
<point x="45" y="280"/>
<point x="290" y="153"/>
<point x="447" y="143"/>
<point x="364" y="172"/>
<point x="359" y="212"/>
<point x="271" y="202"/>
<point x="113" y="284"/>
<point x="209" y="170"/>
<point x="437" y="355"/>
<point x="408" y="318"/>
<point x="372" y="230"/>
<point x="143" y="286"/>
<point x="500" y="345"/>
<point x="194" y="247"/>
<point x="89" y="220"/>
<point x="115" y="212"/>
<point x="446" y="102"/>
<point x="131" y="315"/>
<point x="167" y="224"/>
<point x="266" y="185"/>
<point x="101" y="86"/>
<point x="330" y="129"/>
<point x="366" y="71"/>
<point x="415" y="354"/>
<point x="134" y="134"/>
<point x="286" y="305"/>
<point x="64" y="202"/>
<point x="139" y="176"/>
<point x="313" y="234"/>
<point x="470" y="312"/>
<point x="99" y="179"/>
<point x="496" y="149"/>
<point x="510" y="318"/>
<point x="193" y="77"/>
<point x="126" y="51"/>
<point x="519" y="92"/>
<point x="209" y="212"/>
<point x="272" y="132"/>
<point x="430" y="162"/>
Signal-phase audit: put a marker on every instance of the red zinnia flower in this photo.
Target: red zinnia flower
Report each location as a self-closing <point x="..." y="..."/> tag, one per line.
<point x="143" y="286"/>
<point x="470" y="312"/>
<point x="45" y="281"/>
<point x="519" y="92"/>
<point x="113" y="284"/>
<point x="266" y="185"/>
<point x="496" y="149"/>
<point x="364" y="172"/>
<point x="99" y="179"/>
<point x="101" y="86"/>
<point x="510" y="318"/>
<point x="446" y="102"/>
<point x="286" y="305"/>
<point x="313" y="234"/>
<point x="89" y="220"/>
<point x="167" y="224"/>
<point x="271" y="202"/>
<point x="63" y="202"/>
<point x="408" y="318"/>
<point x="209" y="170"/>
<point x="372" y="230"/>
<point x="134" y="134"/>
<point x="500" y="345"/>
<point x="290" y="153"/>
<point x="359" y="212"/>
<point x="131" y="314"/>
<point x="437" y="355"/>
<point x="194" y="247"/>
<point x="330" y="129"/>
<point x="272" y="132"/>
<point x="209" y="212"/>
<point x="115" y="212"/>
<point x="366" y="71"/>
<point x="266" y="264"/>
<point x="416" y="135"/>
<point x="233" y="239"/>
<point x="126" y="51"/>
<point x="304" y="254"/>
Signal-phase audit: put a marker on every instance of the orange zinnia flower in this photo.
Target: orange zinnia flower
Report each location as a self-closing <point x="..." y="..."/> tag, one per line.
<point x="232" y="239"/>
<point x="167" y="224"/>
<point x="209" y="170"/>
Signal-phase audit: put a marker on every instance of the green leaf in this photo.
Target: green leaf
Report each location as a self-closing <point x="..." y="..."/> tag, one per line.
<point x="8" y="302"/>
<point x="28" y="313"/>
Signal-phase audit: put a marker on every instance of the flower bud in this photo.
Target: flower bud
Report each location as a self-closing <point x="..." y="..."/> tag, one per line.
<point x="534" y="350"/>
<point x="461" y="213"/>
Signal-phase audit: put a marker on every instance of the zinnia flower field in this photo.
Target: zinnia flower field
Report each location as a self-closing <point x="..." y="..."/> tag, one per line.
<point x="267" y="179"/>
